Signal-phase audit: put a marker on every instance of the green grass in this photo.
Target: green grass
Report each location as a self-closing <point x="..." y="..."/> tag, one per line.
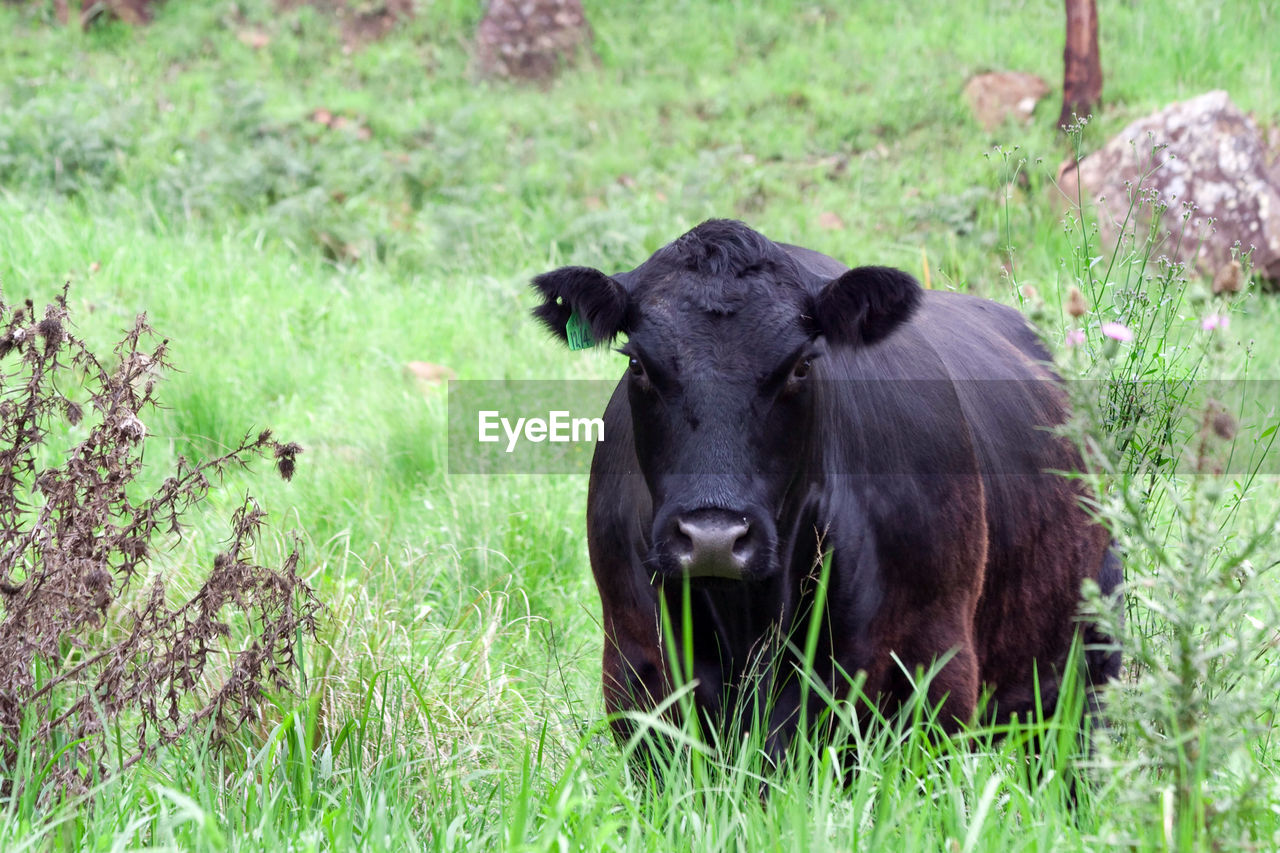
<point x="453" y="700"/>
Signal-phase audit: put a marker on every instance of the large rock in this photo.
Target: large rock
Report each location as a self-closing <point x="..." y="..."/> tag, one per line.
<point x="1204" y="151"/>
<point x="530" y="39"/>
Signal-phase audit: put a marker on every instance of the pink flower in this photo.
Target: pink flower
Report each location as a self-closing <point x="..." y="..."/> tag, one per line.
<point x="1215" y="321"/>
<point x="1117" y="332"/>
<point x="1075" y="337"/>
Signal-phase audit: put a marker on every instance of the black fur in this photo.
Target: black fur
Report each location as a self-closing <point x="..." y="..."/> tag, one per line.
<point x="599" y="299"/>
<point x="1101" y="653"/>
<point x="814" y="410"/>
<point x="865" y="304"/>
<point x="722" y="247"/>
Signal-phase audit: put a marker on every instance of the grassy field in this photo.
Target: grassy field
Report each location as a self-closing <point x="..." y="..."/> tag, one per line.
<point x="452" y="700"/>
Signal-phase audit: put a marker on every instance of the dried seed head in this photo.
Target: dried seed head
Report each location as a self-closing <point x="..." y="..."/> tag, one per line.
<point x="134" y="547"/>
<point x="50" y="328"/>
<point x="98" y="583"/>
<point x="1224" y="426"/>
<point x="286" y="459"/>
<point x="51" y="343"/>
<point x="46" y="481"/>
<point x="128" y="425"/>
<point x="1227" y="279"/>
<point x="1076" y="306"/>
<point x="74" y="412"/>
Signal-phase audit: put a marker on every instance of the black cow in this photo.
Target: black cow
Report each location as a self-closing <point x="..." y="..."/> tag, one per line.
<point x="779" y="406"/>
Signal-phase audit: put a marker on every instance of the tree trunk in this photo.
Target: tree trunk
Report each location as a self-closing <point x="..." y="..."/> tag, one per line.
<point x="1082" y="70"/>
<point x="531" y="39"/>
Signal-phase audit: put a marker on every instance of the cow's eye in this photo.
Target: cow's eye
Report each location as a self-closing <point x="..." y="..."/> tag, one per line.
<point x="636" y="368"/>
<point x="798" y="376"/>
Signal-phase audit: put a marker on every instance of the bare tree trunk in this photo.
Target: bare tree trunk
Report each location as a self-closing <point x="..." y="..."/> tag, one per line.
<point x="531" y="39"/>
<point x="1082" y="70"/>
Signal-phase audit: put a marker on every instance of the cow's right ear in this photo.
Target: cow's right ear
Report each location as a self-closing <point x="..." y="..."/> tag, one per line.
<point x="598" y="299"/>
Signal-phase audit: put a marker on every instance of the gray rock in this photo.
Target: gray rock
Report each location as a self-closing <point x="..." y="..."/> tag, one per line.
<point x="1205" y="152"/>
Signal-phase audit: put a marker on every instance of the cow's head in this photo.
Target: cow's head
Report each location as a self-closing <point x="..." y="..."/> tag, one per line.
<point x="726" y="335"/>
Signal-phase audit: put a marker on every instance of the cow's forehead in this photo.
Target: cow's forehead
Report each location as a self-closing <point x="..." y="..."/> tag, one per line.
<point x="710" y="322"/>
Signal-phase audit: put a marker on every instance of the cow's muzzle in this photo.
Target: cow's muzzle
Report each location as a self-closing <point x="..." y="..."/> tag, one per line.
<point x="713" y="543"/>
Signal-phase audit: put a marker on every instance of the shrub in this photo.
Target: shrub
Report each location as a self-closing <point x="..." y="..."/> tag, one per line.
<point x="90" y="646"/>
<point x="1176" y="456"/>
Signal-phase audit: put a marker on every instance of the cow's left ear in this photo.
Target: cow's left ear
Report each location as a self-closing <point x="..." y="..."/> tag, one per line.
<point x="598" y="299"/>
<point x="865" y="304"/>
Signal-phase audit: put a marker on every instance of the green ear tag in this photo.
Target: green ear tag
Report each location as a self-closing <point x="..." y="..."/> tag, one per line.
<point x="578" y="332"/>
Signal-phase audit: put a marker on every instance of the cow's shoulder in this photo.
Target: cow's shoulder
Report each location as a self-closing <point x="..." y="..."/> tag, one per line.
<point x="980" y="332"/>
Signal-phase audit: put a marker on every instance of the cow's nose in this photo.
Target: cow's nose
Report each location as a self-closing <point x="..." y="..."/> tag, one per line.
<point x="713" y="544"/>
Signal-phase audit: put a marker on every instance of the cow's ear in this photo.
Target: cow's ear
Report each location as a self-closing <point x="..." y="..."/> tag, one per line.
<point x="865" y="304"/>
<point x="598" y="299"/>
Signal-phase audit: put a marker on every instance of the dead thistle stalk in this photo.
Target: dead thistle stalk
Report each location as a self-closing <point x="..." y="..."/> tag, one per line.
<point x="74" y="663"/>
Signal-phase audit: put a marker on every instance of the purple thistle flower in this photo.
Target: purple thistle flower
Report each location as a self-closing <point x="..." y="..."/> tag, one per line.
<point x="1117" y="332"/>
<point x="1215" y="321"/>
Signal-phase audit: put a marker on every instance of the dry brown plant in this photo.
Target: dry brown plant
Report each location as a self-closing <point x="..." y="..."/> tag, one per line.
<point x="97" y="666"/>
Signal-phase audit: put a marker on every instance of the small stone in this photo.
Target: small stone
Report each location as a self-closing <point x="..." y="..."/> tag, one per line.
<point x="999" y="96"/>
<point x="255" y="39"/>
<point x="430" y="374"/>
<point x="830" y="221"/>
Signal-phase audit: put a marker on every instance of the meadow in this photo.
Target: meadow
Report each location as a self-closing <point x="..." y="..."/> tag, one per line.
<point x="451" y="699"/>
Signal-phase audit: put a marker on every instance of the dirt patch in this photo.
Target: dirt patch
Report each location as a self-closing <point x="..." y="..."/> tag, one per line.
<point x="91" y="11"/>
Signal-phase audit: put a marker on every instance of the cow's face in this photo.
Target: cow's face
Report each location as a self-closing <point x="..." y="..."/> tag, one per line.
<point x="726" y="335"/>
